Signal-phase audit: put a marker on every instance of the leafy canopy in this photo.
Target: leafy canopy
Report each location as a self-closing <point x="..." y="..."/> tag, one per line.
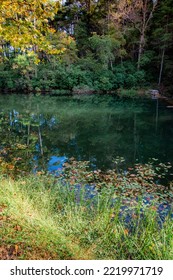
<point x="25" y="24"/>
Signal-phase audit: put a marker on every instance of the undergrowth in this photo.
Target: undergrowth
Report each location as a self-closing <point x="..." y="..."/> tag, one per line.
<point x="42" y="217"/>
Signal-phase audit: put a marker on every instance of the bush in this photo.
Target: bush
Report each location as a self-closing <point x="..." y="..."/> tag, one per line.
<point x="127" y="76"/>
<point x="85" y="73"/>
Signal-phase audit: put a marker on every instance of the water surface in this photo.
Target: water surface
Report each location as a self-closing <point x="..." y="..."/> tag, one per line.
<point x="43" y="132"/>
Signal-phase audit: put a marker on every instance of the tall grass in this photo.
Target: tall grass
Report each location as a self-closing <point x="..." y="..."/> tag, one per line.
<point x="43" y="218"/>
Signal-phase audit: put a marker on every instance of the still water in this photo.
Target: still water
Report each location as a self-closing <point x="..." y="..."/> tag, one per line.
<point x="41" y="132"/>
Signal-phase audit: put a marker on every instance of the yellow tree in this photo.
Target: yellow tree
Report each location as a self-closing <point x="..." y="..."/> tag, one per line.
<point x="24" y="24"/>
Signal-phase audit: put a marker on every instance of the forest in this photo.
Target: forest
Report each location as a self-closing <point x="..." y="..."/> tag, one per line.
<point x="86" y="46"/>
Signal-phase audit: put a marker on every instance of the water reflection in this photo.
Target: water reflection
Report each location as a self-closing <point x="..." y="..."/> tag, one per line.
<point x="55" y="164"/>
<point x="45" y="134"/>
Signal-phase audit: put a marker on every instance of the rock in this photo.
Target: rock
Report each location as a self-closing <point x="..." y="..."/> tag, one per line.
<point x="154" y="93"/>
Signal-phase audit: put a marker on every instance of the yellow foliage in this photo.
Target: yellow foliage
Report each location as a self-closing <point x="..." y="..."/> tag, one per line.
<point x="25" y="23"/>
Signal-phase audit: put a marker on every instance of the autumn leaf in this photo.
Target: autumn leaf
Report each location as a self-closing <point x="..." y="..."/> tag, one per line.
<point x="126" y="231"/>
<point x="17" y="228"/>
<point x="16" y="247"/>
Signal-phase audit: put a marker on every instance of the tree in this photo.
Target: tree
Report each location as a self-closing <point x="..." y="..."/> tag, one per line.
<point x="25" y="24"/>
<point x="162" y="38"/>
<point x="137" y="13"/>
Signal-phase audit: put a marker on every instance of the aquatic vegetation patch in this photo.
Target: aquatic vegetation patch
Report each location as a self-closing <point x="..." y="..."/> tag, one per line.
<point x="142" y="179"/>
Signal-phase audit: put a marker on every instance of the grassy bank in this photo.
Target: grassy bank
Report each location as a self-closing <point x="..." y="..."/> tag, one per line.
<point x="42" y="219"/>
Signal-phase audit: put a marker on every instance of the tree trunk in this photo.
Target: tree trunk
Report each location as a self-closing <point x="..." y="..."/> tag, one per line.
<point x="141" y="48"/>
<point x="161" y="66"/>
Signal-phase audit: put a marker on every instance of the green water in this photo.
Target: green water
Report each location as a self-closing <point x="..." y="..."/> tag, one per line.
<point x="42" y="132"/>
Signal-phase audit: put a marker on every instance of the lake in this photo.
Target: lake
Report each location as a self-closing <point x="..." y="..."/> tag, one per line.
<point x="42" y="132"/>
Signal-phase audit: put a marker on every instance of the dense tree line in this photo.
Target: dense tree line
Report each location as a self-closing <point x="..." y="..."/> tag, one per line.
<point x="86" y="45"/>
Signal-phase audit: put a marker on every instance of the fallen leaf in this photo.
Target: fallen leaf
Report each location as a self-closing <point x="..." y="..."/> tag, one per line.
<point x="17" y="228"/>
